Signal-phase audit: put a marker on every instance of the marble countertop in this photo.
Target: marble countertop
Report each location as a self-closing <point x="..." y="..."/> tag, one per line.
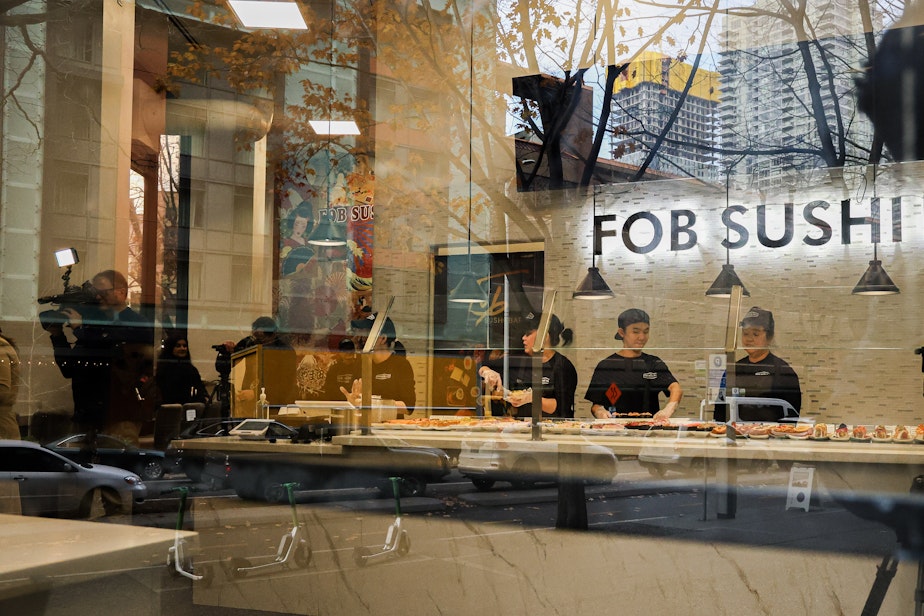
<point x="38" y="550"/>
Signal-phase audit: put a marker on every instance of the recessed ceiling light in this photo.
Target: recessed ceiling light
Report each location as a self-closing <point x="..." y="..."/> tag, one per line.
<point x="334" y="127"/>
<point x="261" y="14"/>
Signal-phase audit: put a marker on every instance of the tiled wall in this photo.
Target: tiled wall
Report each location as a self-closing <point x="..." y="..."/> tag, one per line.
<point x="854" y="354"/>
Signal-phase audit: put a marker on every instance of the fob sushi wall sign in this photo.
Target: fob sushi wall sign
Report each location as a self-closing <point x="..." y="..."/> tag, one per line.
<point x="818" y="223"/>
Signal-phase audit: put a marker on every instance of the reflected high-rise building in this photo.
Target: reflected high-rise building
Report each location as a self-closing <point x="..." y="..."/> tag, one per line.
<point x="789" y="104"/>
<point x="644" y="98"/>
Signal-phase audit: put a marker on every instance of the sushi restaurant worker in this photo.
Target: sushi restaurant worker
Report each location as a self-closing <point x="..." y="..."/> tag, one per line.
<point x="760" y="373"/>
<point x="392" y="374"/>
<point x="629" y="380"/>
<point x="559" y="378"/>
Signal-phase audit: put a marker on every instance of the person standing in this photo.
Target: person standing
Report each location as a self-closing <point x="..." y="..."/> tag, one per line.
<point x="9" y="388"/>
<point x="393" y="376"/>
<point x="110" y="361"/>
<point x="630" y="380"/>
<point x="760" y="373"/>
<point x="178" y="380"/>
<point x="280" y="365"/>
<point x="559" y="377"/>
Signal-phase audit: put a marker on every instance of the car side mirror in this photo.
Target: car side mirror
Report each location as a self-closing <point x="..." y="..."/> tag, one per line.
<point x="69" y="468"/>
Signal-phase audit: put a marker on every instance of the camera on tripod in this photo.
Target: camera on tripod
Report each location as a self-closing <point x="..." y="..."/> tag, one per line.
<point x="78" y="298"/>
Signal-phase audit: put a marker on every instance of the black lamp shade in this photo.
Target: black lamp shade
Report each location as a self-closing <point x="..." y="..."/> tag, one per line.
<point x="328" y="233"/>
<point x="468" y="291"/>
<point x="593" y="286"/>
<point x="724" y="282"/>
<point x="875" y="281"/>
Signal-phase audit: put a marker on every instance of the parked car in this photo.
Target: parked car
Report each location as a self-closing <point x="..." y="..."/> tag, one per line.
<point x="193" y="462"/>
<point x="525" y="464"/>
<point x="150" y="464"/>
<point x="260" y="475"/>
<point x="50" y="484"/>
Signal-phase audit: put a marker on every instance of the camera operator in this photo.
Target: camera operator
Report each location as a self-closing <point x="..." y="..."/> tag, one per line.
<point x="110" y="362"/>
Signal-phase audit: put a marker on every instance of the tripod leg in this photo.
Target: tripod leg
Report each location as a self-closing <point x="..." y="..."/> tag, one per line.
<point x="919" y="591"/>
<point x="884" y="574"/>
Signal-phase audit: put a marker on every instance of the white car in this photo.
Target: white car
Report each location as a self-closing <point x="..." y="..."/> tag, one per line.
<point x="523" y="463"/>
<point x="50" y="484"/>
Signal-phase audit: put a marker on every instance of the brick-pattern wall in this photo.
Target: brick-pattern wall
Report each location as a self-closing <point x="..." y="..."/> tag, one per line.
<point x="854" y="354"/>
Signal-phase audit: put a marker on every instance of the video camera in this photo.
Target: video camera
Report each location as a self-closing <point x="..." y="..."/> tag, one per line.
<point x="78" y="298"/>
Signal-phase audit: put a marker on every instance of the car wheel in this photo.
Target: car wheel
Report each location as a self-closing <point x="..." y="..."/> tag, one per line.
<point x="527" y="471"/>
<point x="236" y="567"/>
<point x="193" y="470"/>
<point x="273" y="492"/>
<point x="482" y="484"/>
<point x="247" y="492"/>
<point x="601" y="473"/>
<point x="86" y="505"/>
<point x="109" y="500"/>
<point x="151" y="470"/>
<point x="112" y="502"/>
<point x="412" y="486"/>
<point x="657" y="470"/>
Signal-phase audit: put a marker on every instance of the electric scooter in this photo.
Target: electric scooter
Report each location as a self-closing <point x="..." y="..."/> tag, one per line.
<point x="397" y="541"/>
<point x="178" y="562"/>
<point x="293" y="548"/>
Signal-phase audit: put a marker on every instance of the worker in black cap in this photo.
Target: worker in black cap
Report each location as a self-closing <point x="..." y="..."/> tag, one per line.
<point x="629" y="381"/>
<point x="280" y="366"/>
<point x="760" y="373"/>
<point x="393" y="376"/>
<point x="559" y="378"/>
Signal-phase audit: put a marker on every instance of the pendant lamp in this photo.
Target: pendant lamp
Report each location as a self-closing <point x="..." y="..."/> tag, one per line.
<point x="727" y="278"/>
<point x="875" y="280"/>
<point x="593" y="286"/>
<point x="328" y="232"/>
<point x="467" y="290"/>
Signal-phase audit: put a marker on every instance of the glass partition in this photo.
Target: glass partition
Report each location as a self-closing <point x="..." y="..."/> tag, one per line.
<point x="724" y="200"/>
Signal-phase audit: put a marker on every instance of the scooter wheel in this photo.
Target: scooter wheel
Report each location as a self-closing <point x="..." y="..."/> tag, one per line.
<point x="237" y="567"/>
<point x="206" y="573"/>
<point x="404" y="543"/>
<point x="360" y="555"/>
<point x="186" y="565"/>
<point x="302" y="554"/>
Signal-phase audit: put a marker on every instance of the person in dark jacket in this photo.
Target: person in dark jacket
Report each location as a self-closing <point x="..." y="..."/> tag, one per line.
<point x="178" y="380"/>
<point x="110" y="361"/>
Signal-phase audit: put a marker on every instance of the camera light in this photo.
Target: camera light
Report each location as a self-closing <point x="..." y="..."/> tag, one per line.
<point x="66" y="256"/>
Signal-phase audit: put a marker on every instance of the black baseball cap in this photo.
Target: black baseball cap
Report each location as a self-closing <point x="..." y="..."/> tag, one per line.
<point x="365" y="324"/>
<point x="555" y="326"/>
<point x="758" y="317"/>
